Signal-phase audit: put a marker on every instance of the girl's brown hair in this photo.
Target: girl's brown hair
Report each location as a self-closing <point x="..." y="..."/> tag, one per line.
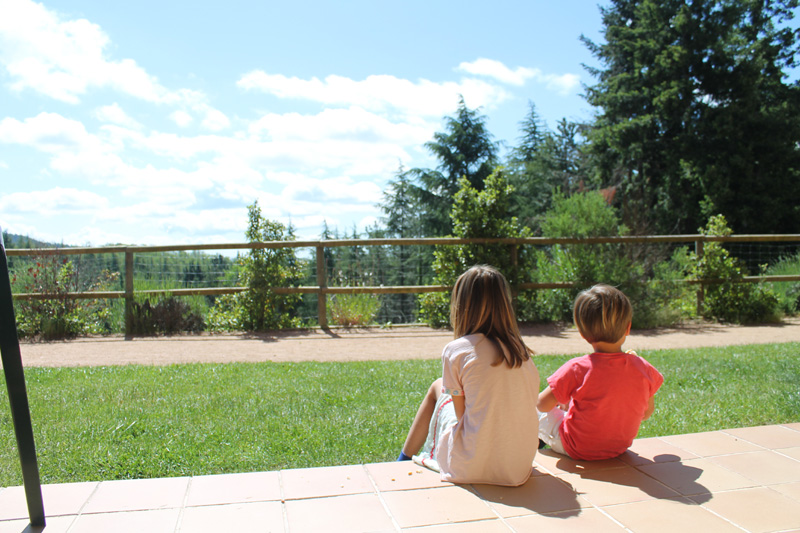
<point x="481" y="303"/>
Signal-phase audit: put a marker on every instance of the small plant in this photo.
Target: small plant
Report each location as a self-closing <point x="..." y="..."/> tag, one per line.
<point x="353" y="309"/>
<point x="169" y="316"/>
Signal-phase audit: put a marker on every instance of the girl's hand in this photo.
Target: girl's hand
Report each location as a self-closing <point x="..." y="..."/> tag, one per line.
<point x="563" y="406"/>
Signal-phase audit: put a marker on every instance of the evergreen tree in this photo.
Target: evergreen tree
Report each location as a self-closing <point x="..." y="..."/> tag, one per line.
<point x="464" y="150"/>
<point x="695" y="113"/>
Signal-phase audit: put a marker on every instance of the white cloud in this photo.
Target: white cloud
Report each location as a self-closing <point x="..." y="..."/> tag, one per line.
<point x="48" y="132"/>
<point x="497" y="70"/>
<point x="215" y="120"/>
<point x="379" y="92"/>
<point x="64" y="58"/>
<point x="181" y="118"/>
<point x="114" y="114"/>
<point x="561" y="83"/>
<point x="55" y="201"/>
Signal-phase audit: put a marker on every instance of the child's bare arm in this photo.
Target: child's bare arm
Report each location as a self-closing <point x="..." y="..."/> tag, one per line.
<point x="651" y="406"/>
<point x="460" y="406"/>
<point x="547" y="401"/>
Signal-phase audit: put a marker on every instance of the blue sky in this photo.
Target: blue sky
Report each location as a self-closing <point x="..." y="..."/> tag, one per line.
<point x="159" y="122"/>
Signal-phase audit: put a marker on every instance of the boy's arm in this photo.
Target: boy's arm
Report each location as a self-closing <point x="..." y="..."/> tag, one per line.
<point x="651" y="406"/>
<point x="547" y="401"/>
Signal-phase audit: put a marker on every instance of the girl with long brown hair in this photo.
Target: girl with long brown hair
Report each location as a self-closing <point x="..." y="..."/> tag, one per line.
<point x="478" y="422"/>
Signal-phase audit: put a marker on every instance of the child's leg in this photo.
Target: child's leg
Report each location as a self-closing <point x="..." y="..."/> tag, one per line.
<point x="419" y="427"/>
<point x="549" y="429"/>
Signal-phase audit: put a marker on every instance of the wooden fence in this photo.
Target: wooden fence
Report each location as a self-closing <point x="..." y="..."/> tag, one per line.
<point x="322" y="289"/>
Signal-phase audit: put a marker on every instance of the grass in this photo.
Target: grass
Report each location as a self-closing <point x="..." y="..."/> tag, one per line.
<point x="139" y="422"/>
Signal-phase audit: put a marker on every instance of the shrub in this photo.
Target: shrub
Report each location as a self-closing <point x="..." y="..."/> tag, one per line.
<point x="353" y="309"/>
<point x="788" y="293"/>
<point x="168" y="316"/>
<point x="259" y="308"/>
<point x="727" y="299"/>
<point x="475" y="214"/>
<point x="60" y="316"/>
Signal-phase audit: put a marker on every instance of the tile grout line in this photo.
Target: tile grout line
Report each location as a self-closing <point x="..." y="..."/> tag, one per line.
<point x="77" y="515"/>
<point x="284" y="511"/>
<point x="379" y="494"/>
<point x="179" y="521"/>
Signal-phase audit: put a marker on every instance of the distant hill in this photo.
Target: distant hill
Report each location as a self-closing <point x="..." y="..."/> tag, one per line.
<point x="10" y="240"/>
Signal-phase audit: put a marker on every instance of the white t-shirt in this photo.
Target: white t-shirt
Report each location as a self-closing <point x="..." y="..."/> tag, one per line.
<point x="497" y="438"/>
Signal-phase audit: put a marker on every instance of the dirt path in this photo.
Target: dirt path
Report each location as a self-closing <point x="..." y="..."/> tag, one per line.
<point x="367" y="344"/>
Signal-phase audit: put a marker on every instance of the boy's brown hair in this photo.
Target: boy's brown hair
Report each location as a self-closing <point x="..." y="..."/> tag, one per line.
<point x="602" y="314"/>
<point x="481" y="303"/>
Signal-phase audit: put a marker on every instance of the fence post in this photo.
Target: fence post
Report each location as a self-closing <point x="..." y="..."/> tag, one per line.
<point x="322" y="283"/>
<point x="128" y="293"/>
<point x="514" y="252"/>
<point x="698" y="250"/>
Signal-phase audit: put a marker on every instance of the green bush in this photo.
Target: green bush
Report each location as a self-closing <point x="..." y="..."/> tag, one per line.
<point x="726" y="299"/>
<point x="353" y="309"/>
<point x="60" y="316"/>
<point x="475" y="214"/>
<point x="788" y="293"/>
<point x="259" y="308"/>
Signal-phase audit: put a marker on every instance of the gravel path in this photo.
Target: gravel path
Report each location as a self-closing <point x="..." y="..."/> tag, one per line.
<point x="367" y="344"/>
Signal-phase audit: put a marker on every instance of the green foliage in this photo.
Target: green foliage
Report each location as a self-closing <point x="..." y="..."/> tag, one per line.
<point x="59" y="316"/>
<point x="259" y="308"/>
<point x="788" y="293"/>
<point x="353" y="309"/>
<point x="696" y="109"/>
<point x="464" y="150"/>
<point x="477" y="213"/>
<point x="582" y="215"/>
<point x="726" y="299"/>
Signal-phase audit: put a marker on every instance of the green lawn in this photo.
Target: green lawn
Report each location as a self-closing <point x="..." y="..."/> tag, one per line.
<point x="137" y="422"/>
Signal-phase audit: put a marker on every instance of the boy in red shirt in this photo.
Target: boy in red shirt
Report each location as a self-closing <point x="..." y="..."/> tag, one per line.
<point x="593" y="405"/>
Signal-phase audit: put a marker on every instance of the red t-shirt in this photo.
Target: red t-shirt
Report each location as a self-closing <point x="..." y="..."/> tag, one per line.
<point x="607" y="394"/>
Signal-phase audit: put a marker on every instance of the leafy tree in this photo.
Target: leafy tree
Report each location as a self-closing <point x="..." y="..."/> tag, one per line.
<point x="464" y="150"/>
<point x="477" y="213"/>
<point x="259" y="308"/>
<point x="696" y="114"/>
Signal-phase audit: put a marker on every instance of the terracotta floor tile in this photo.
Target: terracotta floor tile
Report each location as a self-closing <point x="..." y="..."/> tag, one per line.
<point x="773" y="437"/>
<point x="260" y="516"/>
<point x="791" y="490"/>
<point x="794" y="453"/>
<point x="758" y="509"/>
<point x="617" y="485"/>
<point x="794" y="425"/>
<point x="160" y="521"/>
<point x="699" y="476"/>
<point x="55" y="524"/>
<point x="557" y="464"/>
<point x="403" y="475"/>
<point x="234" y="488"/>
<point x="765" y="468"/>
<point x="13" y="504"/>
<point x="541" y="494"/>
<point x="327" y="481"/>
<point x="711" y="443"/>
<point x="339" y="514"/>
<point x="482" y="526"/>
<point x="138" y="495"/>
<point x="654" y="450"/>
<point x="668" y="516"/>
<point x="587" y="521"/>
<point x="425" y="507"/>
<point x="66" y="498"/>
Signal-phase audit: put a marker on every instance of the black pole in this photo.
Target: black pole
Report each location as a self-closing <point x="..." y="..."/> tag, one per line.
<point x="18" y="397"/>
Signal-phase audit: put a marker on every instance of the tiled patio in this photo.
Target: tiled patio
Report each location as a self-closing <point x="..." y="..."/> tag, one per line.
<point x="744" y="479"/>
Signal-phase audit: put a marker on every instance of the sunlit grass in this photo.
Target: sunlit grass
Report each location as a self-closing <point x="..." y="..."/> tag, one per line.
<point x="140" y="422"/>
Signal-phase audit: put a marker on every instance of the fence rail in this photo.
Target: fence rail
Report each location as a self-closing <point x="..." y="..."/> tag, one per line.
<point x="322" y="289"/>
